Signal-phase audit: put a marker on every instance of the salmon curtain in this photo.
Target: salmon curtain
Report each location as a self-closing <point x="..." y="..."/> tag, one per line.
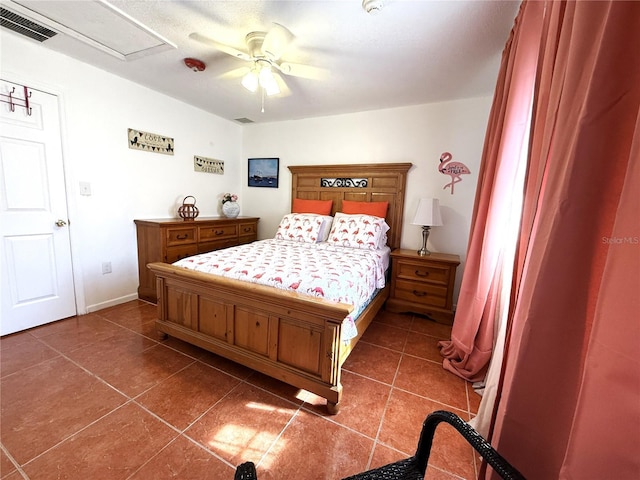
<point x="569" y="401"/>
<point x="468" y="352"/>
<point x="566" y="398"/>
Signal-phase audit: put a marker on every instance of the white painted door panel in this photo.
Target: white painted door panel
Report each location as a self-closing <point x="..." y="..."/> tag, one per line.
<point x="35" y="253"/>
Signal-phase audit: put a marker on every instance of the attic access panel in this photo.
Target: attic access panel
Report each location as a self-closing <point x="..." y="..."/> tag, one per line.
<point x="96" y="23"/>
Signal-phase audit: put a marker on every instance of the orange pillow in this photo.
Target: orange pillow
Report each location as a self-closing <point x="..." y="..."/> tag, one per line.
<point x="319" y="207"/>
<point x="377" y="209"/>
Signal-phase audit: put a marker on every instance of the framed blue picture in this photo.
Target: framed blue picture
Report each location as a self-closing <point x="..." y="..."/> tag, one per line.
<point x="263" y="172"/>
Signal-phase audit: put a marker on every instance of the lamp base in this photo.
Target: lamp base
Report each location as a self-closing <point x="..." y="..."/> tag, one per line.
<point x="425" y="234"/>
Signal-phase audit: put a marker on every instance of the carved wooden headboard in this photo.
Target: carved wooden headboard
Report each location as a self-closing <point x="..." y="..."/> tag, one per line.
<point x="371" y="182"/>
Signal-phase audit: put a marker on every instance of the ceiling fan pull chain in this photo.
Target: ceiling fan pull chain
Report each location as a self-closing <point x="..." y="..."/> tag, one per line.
<point x="262" y="93"/>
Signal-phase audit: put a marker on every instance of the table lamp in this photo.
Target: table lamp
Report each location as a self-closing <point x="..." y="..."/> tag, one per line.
<point x="427" y="215"/>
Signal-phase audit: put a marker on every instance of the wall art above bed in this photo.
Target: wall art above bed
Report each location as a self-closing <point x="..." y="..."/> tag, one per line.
<point x="263" y="172"/>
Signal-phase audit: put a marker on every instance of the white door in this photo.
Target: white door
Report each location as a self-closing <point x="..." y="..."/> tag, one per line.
<point x="35" y="250"/>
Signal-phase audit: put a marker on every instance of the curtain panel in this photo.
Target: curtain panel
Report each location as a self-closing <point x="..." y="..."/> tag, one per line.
<point x="569" y="405"/>
<point x="567" y="106"/>
<point x="468" y="352"/>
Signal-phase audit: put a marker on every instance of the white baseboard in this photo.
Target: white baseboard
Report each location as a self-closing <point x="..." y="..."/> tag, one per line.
<point x="111" y="303"/>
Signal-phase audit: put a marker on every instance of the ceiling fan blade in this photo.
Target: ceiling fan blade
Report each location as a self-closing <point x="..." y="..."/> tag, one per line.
<point x="220" y="46"/>
<point x="304" y="71"/>
<point x="235" y="73"/>
<point x="276" y="41"/>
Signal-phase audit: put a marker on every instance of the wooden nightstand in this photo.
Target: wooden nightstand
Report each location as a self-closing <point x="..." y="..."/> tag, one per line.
<point x="423" y="285"/>
<point x="169" y="240"/>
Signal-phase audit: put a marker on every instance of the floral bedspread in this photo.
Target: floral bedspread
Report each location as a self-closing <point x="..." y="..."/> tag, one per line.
<point x="335" y="273"/>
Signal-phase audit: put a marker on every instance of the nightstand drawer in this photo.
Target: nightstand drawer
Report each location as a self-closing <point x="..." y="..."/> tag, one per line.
<point x="180" y="236"/>
<point x="423" y="273"/>
<point x="422" y="293"/>
<point x="218" y="232"/>
<point x="178" y="253"/>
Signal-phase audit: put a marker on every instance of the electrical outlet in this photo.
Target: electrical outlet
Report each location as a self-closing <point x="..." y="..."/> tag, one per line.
<point x="106" y="267"/>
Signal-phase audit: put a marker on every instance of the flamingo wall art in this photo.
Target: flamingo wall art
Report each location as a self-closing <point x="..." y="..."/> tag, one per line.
<point x="453" y="169"/>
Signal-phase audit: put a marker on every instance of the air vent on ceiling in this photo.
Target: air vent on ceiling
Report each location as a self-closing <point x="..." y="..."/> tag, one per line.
<point x="96" y="23"/>
<point x="24" y="26"/>
<point x="244" y="120"/>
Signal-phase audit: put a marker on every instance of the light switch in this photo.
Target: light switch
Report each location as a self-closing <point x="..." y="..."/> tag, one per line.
<point x="85" y="189"/>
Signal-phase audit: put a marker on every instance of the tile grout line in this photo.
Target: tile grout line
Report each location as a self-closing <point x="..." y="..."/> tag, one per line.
<point x="384" y="412"/>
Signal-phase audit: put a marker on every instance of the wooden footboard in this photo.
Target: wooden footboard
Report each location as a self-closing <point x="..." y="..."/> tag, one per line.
<point x="292" y="337"/>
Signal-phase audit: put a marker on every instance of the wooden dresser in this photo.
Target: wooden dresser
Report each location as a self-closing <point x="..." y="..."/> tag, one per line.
<point x="423" y="284"/>
<point x="169" y="240"/>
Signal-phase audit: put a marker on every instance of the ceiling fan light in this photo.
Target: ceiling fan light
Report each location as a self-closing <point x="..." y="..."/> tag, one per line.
<point x="266" y="76"/>
<point x="272" y="88"/>
<point x="250" y="81"/>
<point x="268" y="81"/>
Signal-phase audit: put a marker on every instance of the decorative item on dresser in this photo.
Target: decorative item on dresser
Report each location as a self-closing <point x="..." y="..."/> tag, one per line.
<point x="169" y="240"/>
<point x="423" y="284"/>
<point x="188" y="211"/>
<point x="230" y="207"/>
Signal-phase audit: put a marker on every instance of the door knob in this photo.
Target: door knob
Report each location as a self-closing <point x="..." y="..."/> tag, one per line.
<point x="61" y="223"/>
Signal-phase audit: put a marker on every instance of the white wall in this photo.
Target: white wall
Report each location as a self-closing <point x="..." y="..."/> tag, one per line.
<point x="98" y="108"/>
<point x="126" y="184"/>
<point x="417" y="134"/>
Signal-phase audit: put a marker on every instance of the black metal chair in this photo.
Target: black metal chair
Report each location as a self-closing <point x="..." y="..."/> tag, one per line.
<point x="246" y="471"/>
<point x="414" y="468"/>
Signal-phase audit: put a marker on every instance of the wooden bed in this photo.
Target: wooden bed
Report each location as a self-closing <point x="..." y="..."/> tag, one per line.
<point x="286" y="335"/>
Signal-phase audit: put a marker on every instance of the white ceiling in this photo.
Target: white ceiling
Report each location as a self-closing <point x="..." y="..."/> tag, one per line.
<point x="412" y="52"/>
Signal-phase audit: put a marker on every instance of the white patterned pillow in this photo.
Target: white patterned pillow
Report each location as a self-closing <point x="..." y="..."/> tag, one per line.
<point x="300" y="227"/>
<point x="327" y="221"/>
<point x="358" y="231"/>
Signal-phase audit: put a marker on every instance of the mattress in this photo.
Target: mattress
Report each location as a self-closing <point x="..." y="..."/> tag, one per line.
<point x="328" y="271"/>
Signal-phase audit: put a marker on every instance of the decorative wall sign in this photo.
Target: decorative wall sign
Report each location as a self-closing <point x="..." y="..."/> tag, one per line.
<point x="263" y="172"/>
<point x="453" y="169"/>
<point x="208" y="165"/>
<point x="150" y="142"/>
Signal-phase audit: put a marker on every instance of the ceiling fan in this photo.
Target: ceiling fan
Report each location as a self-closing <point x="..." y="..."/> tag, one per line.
<point x="264" y="51"/>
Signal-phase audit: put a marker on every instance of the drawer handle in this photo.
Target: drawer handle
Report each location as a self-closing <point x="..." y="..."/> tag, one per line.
<point x="219" y="232"/>
<point x="421" y="274"/>
<point x="247" y="229"/>
<point x="182" y="237"/>
<point x="419" y="294"/>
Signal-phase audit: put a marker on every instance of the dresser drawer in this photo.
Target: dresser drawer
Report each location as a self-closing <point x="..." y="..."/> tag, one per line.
<point x="217" y="245"/>
<point x="217" y="232"/>
<point x="423" y="273"/>
<point x="178" y="253"/>
<point x="181" y="236"/>
<point x="248" y="229"/>
<point x="421" y="293"/>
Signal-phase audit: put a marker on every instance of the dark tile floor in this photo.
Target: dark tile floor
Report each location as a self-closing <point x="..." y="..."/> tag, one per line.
<point x="98" y="397"/>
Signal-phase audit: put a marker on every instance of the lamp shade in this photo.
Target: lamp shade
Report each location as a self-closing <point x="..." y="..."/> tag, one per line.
<point x="428" y="213"/>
